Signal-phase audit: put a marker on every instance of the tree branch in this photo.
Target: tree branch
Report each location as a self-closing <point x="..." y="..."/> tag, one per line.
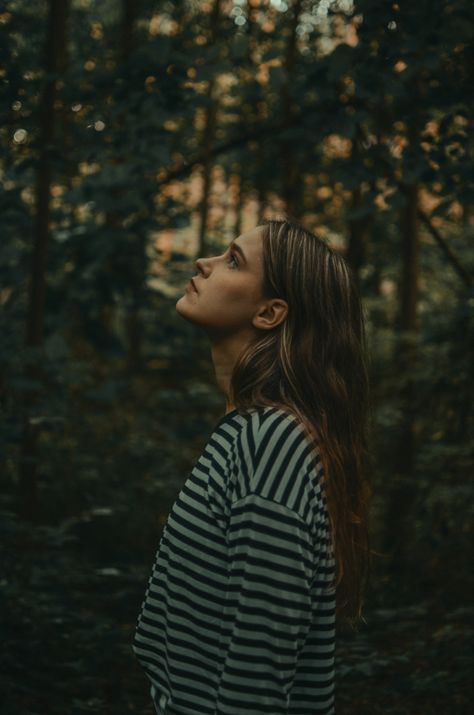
<point x="443" y="244"/>
<point x="188" y="165"/>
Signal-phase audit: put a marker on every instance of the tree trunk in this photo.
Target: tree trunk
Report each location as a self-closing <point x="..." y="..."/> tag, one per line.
<point x="357" y="237"/>
<point x="259" y="177"/>
<point x="208" y="137"/>
<point x="292" y="175"/>
<point x="410" y="261"/>
<point x="54" y="65"/>
<point x="130" y="10"/>
<point x="133" y="328"/>
<point x="134" y="335"/>
<point x="262" y="202"/>
<point x="398" y="529"/>
<point x="239" y="201"/>
<point x="358" y="226"/>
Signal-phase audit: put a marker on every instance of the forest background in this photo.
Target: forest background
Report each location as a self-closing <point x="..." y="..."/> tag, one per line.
<point x="137" y="135"/>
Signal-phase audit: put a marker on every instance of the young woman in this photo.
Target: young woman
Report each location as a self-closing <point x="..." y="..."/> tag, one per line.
<point x="267" y="541"/>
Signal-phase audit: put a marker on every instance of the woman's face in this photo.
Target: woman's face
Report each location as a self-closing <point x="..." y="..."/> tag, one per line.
<point x="227" y="292"/>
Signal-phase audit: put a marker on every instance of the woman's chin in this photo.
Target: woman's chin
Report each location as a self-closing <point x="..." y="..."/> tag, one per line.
<point x="180" y="308"/>
<point x="183" y="308"/>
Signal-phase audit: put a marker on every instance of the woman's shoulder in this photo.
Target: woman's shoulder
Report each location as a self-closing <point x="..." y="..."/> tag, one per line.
<point x="263" y="428"/>
<point x="275" y="457"/>
<point x="261" y="416"/>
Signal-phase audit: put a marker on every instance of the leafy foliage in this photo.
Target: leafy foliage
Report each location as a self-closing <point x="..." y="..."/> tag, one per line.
<point x="334" y="111"/>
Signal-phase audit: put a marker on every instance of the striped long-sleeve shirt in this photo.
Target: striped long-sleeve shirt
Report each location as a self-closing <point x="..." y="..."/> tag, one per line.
<point x="239" y="613"/>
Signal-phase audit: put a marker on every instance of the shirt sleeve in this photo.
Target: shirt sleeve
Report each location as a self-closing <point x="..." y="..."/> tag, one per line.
<point x="267" y="611"/>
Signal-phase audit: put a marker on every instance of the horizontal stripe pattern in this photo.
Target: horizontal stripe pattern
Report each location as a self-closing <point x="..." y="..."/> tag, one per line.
<point x="239" y="614"/>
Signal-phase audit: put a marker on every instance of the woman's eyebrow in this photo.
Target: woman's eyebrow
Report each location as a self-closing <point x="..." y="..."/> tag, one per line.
<point x="237" y="248"/>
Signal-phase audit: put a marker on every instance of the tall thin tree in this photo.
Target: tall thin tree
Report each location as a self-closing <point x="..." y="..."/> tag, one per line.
<point x="402" y="493"/>
<point x="292" y="176"/>
<point x="208" y="134"/>
<point x="54" y="64"/>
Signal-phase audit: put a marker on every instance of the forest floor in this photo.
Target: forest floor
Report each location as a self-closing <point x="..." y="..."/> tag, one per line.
<point x="68" y="614"/>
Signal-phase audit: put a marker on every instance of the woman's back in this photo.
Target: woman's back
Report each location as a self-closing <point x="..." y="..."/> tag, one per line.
<point x="239" y="614"/>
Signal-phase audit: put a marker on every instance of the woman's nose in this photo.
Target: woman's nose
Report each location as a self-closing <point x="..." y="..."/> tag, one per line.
<point x="202" y="266"/>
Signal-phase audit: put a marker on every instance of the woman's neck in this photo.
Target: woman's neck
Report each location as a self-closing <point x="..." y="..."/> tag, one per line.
<point x="225" y="352"/>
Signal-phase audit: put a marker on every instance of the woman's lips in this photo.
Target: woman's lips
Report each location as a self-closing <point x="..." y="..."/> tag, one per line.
<point x="191" y="287"/>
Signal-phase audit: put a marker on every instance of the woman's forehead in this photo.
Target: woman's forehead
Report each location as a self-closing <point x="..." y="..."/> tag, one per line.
<point x="251" y="243"/>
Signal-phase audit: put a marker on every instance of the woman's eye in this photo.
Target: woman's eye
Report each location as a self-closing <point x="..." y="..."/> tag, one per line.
<point x="232" y="261"/>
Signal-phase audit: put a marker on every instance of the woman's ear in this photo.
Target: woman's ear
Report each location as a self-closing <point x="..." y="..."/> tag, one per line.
<point x="270" y="314"/>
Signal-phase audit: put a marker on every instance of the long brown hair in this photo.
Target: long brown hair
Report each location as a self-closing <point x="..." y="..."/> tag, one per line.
<point x="314" y="364"/>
